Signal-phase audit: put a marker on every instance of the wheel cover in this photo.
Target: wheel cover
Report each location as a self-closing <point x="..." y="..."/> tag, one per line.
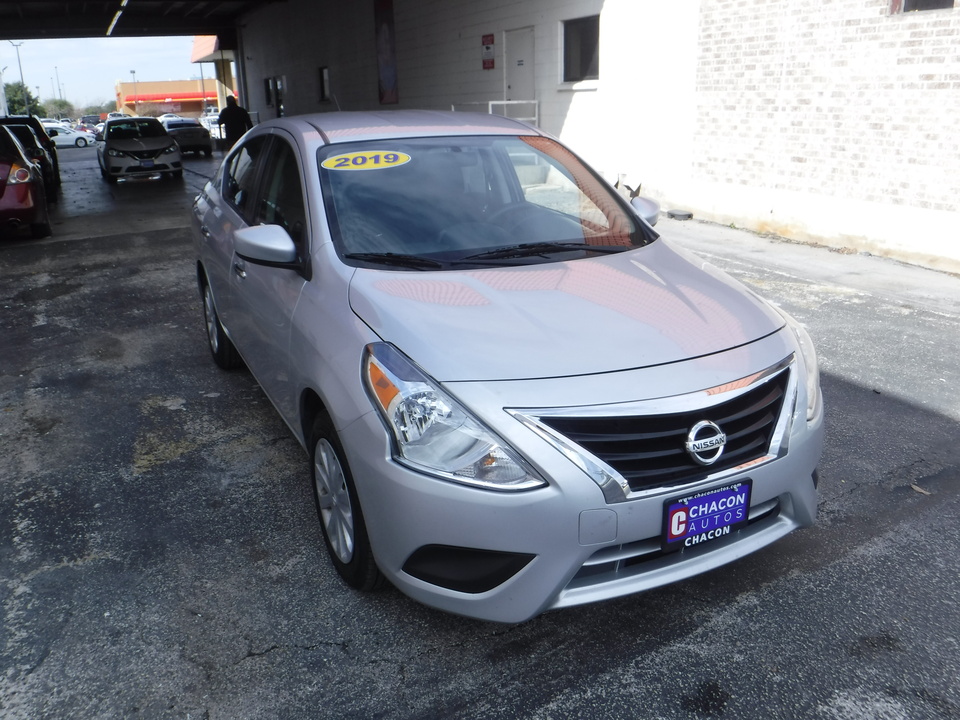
<point x="333" y="498"/>
<point x="210" y="315"/>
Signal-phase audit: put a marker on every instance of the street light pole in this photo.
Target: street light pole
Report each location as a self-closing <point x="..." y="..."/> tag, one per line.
<point x="134" y="74"/>
<point x="3" y="94"/>
<point x="23" y="86"/>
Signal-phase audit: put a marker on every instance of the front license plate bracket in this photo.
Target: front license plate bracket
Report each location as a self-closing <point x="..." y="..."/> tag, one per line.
<point x="697" y="518"/>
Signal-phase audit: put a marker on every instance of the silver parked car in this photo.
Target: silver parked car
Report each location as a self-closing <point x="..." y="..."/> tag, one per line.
<point x="136" y="147"/>
<point x="514" y="394"/>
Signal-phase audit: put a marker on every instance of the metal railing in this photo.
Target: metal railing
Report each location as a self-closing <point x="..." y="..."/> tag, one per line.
<point x="524" y="110"/>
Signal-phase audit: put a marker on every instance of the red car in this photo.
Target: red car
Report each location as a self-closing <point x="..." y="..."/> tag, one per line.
<point x="23" y="202"/>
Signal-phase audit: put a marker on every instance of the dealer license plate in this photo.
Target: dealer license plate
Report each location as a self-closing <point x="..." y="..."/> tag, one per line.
<point x="695" y="519"/>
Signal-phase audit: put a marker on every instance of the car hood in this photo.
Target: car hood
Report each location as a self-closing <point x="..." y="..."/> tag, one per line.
<point x="652" y="306"/>
<point x="135" y="144"/>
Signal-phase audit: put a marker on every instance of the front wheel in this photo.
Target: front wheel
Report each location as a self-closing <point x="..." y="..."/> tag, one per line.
<point x="81" y="142"/>
<point x="344" y="530"/>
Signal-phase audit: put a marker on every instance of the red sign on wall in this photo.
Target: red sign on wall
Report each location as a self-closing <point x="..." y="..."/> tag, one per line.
<point x="487" y="54"/>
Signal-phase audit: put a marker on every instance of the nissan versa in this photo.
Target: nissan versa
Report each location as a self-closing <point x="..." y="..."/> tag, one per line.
<point x="515" y="395"/>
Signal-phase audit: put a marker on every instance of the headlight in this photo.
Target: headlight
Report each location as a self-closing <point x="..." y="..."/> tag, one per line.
<point x="810" y="362"/>
<point x="169" y="150"/>
<point x="115" y="153"/>
<point x="433" y="433"/>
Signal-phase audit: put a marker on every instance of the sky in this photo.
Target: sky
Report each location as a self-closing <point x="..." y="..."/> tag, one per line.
<point x="88" y="69"/>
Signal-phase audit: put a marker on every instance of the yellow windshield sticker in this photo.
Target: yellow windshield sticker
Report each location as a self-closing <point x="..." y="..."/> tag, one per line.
<point x="371" y="160"/>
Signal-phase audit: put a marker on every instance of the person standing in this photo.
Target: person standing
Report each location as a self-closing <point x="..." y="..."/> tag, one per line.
<point x="234" y="121"/>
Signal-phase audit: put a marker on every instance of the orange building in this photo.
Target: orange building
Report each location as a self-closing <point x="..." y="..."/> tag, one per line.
<point x="183" y="97"/>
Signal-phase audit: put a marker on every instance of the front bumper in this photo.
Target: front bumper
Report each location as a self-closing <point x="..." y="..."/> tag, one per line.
<point x="567" y="543"/>
<point x="131" y="167"/>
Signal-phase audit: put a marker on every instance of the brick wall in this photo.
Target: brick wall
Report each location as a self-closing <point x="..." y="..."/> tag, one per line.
<point x="833" y="97"/>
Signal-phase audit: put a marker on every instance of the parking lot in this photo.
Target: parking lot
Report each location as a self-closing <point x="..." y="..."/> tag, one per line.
<point x="160" y="555"/>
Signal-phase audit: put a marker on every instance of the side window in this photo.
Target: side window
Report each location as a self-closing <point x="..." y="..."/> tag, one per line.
<point x="281" y="196"/>
<point x="240" y="176"/>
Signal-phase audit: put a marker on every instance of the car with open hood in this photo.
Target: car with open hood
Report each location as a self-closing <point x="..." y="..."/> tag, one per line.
<point x="131" y="147"/>
<point x="514" y="394"/>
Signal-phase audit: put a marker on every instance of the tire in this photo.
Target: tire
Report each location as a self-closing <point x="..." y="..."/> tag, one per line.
<point x="40" y="230"/>
<point x="338" y="508"/>
<point x="81" y="142"/>
<point x="177" y="175"/>
<point x="224" y="353"/>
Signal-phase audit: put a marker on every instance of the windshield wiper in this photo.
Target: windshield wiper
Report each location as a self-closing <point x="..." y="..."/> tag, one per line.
<point x="541" y="248"/>
<point x="398" y="259"/>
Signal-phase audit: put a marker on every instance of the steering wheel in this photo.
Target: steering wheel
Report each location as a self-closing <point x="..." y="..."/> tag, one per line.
<point x="509" y="216"/>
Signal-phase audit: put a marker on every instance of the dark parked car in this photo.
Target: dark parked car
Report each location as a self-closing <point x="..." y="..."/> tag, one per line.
<point x="23" y="201"/>
<point x="190" y="135"/>
<point x="41" y="133"/>
<point x="39" y="154"/>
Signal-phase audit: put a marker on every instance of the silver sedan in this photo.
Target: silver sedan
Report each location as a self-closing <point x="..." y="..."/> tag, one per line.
<point x="514" y="394"/>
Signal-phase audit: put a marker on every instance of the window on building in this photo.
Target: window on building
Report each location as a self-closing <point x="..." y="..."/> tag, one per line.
<point x="323" y="89"/>
<point x="915" y="5"/>
<point x="268" y="91"/>
<point x="581" y="49"/>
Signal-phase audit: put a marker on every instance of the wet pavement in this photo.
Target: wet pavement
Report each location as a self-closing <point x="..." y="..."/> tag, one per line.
<point x="160" y="556"/>
<point x="89" y="207"/>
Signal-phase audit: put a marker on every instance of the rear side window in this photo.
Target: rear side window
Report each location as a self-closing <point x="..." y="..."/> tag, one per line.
<point x="7" y="146"/>
<point x="240" y="177"/>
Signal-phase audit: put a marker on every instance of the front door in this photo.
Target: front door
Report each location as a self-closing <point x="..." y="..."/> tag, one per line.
<point x="518" y="75"/>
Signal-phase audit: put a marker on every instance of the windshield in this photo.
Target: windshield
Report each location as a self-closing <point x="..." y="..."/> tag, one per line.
<point x="135" y="128"/>
<point x="441" y="203"/>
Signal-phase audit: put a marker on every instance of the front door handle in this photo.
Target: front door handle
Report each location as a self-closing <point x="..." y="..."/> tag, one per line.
<point x="240" y="269"/>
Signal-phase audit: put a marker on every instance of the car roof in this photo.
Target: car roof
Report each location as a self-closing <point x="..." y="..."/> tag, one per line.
<point x="26" y="120"/>
<point x="130" y="118"/>
<point x="340" y="127"/>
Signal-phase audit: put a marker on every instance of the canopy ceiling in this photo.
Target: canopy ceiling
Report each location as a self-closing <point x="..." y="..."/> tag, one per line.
<point x="48" y="19"/>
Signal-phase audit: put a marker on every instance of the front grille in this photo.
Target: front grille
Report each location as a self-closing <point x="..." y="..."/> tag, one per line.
<point x="145" y="154"/>
<point x="649" y="450"/>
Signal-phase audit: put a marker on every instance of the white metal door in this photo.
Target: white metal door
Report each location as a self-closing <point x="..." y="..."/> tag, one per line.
<point x="518" y="58"/>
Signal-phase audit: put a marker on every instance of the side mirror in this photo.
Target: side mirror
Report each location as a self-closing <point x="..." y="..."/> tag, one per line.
<point x="266" y="245"/>
<point x="98" y="137"/>
<point x="648" y="209"/>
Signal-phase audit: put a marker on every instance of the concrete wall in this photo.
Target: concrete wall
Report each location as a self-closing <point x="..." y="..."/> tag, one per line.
<point x="832" y="121"/>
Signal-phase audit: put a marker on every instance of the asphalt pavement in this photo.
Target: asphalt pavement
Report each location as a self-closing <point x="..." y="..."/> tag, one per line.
<point x="160" y="556"/>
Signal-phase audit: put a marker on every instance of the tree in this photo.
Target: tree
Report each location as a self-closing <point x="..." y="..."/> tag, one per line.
<point x="58" y="108"/>
<point x="102" y="108"/>
<point x="20" y="101"/>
